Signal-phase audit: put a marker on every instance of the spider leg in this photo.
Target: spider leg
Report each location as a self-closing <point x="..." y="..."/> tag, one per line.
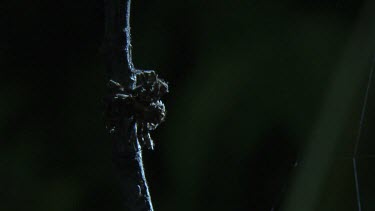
<point x="147" y="137"/>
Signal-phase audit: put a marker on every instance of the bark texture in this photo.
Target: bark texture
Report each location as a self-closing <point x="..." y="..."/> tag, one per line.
<point x="127" y="149"/>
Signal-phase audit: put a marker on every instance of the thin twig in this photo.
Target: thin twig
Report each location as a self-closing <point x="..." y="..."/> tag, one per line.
<point x="127" y="149"/>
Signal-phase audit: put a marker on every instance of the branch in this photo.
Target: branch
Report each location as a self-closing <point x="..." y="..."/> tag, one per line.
<point x="133" y="106"/>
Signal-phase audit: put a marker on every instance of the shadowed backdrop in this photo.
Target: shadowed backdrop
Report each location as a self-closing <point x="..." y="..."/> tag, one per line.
<point x="263" y="113"/>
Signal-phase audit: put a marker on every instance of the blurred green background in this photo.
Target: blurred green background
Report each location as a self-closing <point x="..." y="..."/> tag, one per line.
<point x="263" y="113"/>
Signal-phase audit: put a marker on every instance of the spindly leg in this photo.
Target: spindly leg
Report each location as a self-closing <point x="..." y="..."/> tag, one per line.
<point x="143" y="135"/>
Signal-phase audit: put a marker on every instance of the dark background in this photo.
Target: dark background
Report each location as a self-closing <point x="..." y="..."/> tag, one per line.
<point x="263" y="113"/>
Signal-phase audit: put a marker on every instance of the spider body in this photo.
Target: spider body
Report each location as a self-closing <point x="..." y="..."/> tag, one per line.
<point x="141" y="105"/>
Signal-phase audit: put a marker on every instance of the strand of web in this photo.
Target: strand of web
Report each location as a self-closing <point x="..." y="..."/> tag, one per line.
<point x="355" y="155"/>
<point x="361" y="123"/>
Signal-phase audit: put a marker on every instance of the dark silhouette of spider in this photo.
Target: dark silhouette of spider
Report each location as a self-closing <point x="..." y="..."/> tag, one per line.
<point x="142" y="106"/>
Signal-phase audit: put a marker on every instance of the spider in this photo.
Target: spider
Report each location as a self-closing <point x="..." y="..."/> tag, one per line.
<point x="141" y="106"/>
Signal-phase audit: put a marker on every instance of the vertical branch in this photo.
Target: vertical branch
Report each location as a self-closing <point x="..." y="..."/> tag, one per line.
<point x="133" y="106"/>
<point x="118" y="61"/>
